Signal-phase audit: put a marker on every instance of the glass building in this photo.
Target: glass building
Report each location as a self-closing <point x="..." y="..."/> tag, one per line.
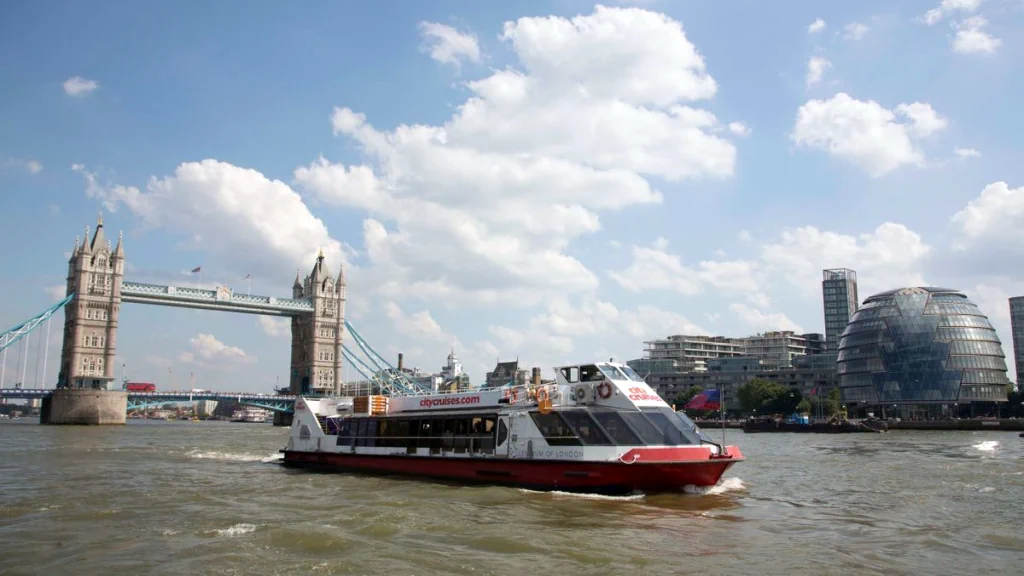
<point x="839" y="292"/>
<point x="920" y="352"/>
<point x="1017" y="327"/>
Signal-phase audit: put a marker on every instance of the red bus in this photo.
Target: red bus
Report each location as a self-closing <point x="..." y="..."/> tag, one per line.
<point x="140" y="387"/>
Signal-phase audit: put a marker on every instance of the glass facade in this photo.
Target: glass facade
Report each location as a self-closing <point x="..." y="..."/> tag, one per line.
<point x="839" y="293"/>
<point x="920" y="345"/>
<point x="1017" y="327"/>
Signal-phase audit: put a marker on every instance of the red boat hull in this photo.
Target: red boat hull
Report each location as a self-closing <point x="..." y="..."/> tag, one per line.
<point x="562" y="475"/>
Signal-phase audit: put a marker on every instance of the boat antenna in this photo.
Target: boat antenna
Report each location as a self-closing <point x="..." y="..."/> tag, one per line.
<point x="721" y="399"/>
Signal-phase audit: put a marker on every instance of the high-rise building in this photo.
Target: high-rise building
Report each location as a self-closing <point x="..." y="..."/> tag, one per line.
<point x="839" y="291"/>
<point x="921" y="352"/>
<point x="1017" y="327"/>
<point x="778" y="349"/>
<point x="691" y="353"/>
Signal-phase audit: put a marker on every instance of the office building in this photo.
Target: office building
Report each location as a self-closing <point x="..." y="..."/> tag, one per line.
<point x="691" y="353"/>
<point x="1017" y="328"/>
<point x="778" y="349"/>
<point x="839" y="293"/>
<point x="920" y="352"/>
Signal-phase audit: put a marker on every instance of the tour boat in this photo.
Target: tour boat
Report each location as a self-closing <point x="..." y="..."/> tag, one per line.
<point x="597" y="428"/>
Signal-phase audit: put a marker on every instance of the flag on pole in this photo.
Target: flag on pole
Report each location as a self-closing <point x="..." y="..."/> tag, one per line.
<point x="247" y="276"/>
<point x="706" y="400"/>
<point x="197" y="269"/>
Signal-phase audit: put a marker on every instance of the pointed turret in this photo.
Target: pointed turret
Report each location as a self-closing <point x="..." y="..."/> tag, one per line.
<point x="119" y="251"/>
<point x="341" y="276"/>
<point x="85" y="244"/>
<point x="318" y="268"/>
<point x="74" y="252"/>
<point x="98" y="241"/>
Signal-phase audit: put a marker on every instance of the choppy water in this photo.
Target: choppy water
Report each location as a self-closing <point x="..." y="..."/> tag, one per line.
<point x="208" y="498"/>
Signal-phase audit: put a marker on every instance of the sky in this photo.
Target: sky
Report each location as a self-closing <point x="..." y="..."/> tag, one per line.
<point x="555" y="181"/>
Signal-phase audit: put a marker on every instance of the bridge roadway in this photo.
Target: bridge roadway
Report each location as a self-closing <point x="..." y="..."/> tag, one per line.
<point x="138" y="400"/>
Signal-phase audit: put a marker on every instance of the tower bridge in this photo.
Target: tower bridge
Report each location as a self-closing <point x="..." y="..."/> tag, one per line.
<point x="85" y="393"/>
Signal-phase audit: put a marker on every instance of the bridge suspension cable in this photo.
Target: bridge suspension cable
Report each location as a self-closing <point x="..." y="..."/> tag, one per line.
<point x="389" y="378"/>
<point x="24" y="330"/>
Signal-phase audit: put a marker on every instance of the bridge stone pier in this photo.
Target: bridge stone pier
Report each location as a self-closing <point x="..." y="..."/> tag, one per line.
<point x="86" y="392"/>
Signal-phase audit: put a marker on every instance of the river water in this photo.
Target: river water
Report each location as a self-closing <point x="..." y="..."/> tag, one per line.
<point x="210" y="498"/>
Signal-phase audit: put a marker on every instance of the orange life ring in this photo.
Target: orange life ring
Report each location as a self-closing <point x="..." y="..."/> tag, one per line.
<point x="604" y="390"/>
<point x="542" y="395"/>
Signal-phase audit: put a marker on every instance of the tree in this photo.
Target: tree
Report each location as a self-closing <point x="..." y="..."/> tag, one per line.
<point x="683" y="397"/>
<point x="762" y="395"/>
<point x="804" y="406"/>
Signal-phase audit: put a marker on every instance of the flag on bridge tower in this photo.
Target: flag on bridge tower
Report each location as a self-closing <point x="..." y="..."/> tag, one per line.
<point x="197" y="269"/>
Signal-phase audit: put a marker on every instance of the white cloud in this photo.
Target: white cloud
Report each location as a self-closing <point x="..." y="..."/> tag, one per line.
<point x="484" y="207"/>
<point x="816" y="67"/>
<point x="32" y="166"/>
<point x="995" y="217"/>
<point x="970" y="37"/>
<point x="655" y="269"/>
<point x="418" y="324"/>
<point x="56" y="293"/>
<point x="865" y="133"/>
<point x="761" y="322"/>
<point x="924" y="120"/>
<point x="947" y="7"/>
<point x="890" y="256"/>
<point x="739" y="128"/>
<point x="817" y="26"/>
<point x="966" y="153"/>
<point x="207" y="348"/>
<point x="854" y="31"/>
<point x="745" y="236"/>
<point x="447" y="45"/>
<point x="272" y="326"/>
<point x="243" y="221"/>
<point x="78" y="86"/>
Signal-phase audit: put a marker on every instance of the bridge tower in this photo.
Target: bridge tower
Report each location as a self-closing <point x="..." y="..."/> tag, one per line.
<point x="95" y="271"/>
<point x="316" y="338"/>
<point x="85" y="383"/>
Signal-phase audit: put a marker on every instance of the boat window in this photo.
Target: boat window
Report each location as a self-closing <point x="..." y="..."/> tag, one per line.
<point x="589" y="432"/>
<point x="671" y="427"/>
<point x="555" y="431"/>
<point x="502" y="432"/>
<point x="647" y="431"/>
<point x="611" y="372"/>
<point x="616" y="428"/>
<point x="632" y="375"/>
<point x="571" y="374"/>
<point x="590" y="373"/>
<point x="691" y="425"/>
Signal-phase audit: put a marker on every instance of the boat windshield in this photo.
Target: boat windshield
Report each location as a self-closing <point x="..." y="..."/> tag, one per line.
<point x="612" y="372"/>
<point x="632" y="375"/>
<point x="672" y="427"/>
<point x="691" y="425"/>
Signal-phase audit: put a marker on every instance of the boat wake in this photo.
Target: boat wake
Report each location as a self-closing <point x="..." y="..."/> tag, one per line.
<point x="986" y="446"/>
<point x="726" y="485"/>
<point x="235" y="457"/>
<point x="236" y="530"/>
<point x="584" y="495"/>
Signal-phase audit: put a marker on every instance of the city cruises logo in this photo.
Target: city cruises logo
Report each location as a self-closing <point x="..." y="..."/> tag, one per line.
<point x="642" y="393"/>
<point x="449" y="401"/>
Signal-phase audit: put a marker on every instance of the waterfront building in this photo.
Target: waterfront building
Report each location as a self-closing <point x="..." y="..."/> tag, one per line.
<point x="729" y="374"/>
<point x="1017" y="328"/>
<point x="691" y="353"/>
<point x="839" y="294"/>
<point x="205" y="408"/>
<point x="778" y="349"/>
<point x="506" y="373"/>
<point x="920" y="352"/>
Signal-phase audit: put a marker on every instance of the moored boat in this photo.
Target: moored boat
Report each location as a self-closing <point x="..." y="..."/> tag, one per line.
<point x="597" y="428"/>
